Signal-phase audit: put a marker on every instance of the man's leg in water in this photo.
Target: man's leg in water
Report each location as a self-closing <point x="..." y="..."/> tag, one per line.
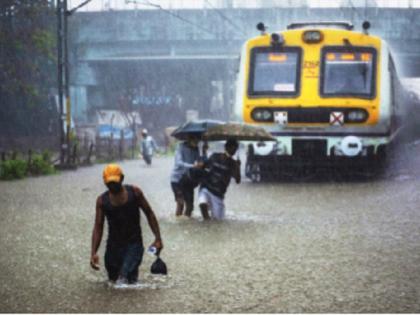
<point x="133" y="257"/>
<point x="188" y="191"/>
<point x="179" y="207"/>
<point x="113" y="261"/>
<point x="205" y="211"/>
<point x="203" y="202"/>
<point x="148" y="159"/>
<point x="179" y="198"/>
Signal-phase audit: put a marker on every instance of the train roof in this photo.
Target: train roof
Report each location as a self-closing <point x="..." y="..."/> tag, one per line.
<point x="326" y="24"/>
<point x="334" y="32"/>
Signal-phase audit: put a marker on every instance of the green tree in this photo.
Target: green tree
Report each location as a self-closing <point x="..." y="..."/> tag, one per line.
<point x="27" y="68"/>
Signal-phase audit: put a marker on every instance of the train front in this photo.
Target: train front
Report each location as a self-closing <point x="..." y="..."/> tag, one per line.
<point x="320" y="92"/>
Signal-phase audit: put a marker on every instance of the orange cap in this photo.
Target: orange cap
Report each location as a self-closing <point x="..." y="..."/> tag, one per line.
<point x="112" y="173"/>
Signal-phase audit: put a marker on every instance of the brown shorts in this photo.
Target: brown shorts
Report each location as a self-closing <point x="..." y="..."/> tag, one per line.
<point x="183" y="192"/>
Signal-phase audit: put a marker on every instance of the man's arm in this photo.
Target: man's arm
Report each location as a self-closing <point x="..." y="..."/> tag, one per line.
<point x="97" y="234"/>
<point x="151" y="218"/>
<point x="179" y="161"/>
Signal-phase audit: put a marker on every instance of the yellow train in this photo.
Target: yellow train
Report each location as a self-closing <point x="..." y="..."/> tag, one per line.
<point x="326" y="92"/>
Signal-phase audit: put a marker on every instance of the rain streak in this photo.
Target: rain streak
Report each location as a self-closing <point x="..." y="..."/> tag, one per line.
<point x="322" y="102"/>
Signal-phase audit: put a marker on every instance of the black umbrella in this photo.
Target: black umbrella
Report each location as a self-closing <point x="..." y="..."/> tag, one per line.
<point x="194" y="128"/>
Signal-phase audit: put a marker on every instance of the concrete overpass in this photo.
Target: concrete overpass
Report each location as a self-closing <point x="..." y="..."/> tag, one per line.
<point x="189" y="57"/>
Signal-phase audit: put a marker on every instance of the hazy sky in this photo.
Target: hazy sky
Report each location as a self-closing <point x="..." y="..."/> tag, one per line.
<point x="199" y="4"/>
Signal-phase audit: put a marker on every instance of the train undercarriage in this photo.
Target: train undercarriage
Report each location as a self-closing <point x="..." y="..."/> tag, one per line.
<point x="307" y="157"/>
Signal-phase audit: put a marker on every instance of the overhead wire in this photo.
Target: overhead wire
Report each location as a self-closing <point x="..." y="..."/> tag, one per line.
<point x="148" y="3"/>
<point x="365" y="11"/>
<point x="224" y="17"/>
<point x="70" y="12"/>
<point x="354" y="9"/>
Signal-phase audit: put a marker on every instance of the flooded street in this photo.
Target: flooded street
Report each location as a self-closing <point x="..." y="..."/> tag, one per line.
<point x="285" y="247"/>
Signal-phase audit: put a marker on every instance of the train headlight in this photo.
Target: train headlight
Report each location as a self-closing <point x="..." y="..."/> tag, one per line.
<point x="262" y="114"/>
<point x="312" y="37"/>
<point x="357" y="116"/>
<point x="277" y="39"/>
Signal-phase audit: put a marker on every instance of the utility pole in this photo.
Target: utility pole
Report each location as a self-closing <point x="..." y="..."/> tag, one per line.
<point x="67" y="80"/>
<point x="63" y="81"/>
<point x="60" y="78"/>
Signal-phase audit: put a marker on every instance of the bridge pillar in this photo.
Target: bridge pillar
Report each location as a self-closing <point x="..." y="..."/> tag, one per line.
<point x="83" y="77"/>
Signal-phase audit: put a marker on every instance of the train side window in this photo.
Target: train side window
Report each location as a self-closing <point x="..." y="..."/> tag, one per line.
<point x="348" y="72"/>
<point x="275" y="72"/>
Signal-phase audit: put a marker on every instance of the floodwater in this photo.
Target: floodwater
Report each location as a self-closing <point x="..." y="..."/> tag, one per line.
<point x="315" y="246"/>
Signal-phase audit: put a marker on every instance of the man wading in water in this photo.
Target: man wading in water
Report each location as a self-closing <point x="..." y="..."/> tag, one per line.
<point x="221" y="168"/>
<point x="124" y="249"/>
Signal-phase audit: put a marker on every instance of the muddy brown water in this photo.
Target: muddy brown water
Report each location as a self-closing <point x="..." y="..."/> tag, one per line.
<point x="284" y="247"/>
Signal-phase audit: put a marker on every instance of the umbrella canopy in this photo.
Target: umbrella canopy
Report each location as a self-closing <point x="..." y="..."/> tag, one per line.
<point x="237" y="131"/>
<point x="194" y="128"/>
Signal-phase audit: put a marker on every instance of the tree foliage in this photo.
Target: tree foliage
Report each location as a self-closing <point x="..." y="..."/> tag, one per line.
<point x="27" y="68"/>
<point x="13" y="169"/>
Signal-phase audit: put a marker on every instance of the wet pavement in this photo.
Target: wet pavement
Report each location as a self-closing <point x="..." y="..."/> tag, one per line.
<point x="317" y="246"/>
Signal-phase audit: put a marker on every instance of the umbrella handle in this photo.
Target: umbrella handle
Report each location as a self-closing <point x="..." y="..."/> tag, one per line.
<point x="204" y="148"/>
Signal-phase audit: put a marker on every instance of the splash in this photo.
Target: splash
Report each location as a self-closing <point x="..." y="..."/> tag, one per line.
<point x="150" y="282"/>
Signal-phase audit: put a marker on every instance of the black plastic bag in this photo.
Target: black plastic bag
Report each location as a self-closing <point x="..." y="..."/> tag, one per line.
<point x="159" y="267"/>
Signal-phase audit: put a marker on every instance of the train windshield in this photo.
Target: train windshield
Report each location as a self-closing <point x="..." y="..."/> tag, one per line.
<point x="348" y="73"/>
<point x="274" y="73"/>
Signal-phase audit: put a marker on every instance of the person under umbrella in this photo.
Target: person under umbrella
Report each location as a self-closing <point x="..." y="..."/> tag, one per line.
<point x="221" y="168"/>
<point x="187" y="156"/>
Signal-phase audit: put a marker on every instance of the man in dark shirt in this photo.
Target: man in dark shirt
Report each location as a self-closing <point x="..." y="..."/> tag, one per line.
<point x="120" y="206"/>
<point x="221" y="167"/>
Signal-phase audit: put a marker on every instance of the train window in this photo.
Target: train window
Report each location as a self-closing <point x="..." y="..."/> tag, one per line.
<point x="274" y="72"/>
<point x="348" y="72"/>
